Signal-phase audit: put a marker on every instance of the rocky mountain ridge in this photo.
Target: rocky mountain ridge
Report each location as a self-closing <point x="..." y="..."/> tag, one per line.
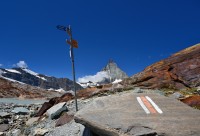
<point x="39" y="80"/>
<point x="179" y="71"/>
<point x="11" y="89"/>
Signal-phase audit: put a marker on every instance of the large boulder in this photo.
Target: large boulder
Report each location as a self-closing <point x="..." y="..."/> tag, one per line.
<point x="122" y="115"/>
<point x="179" y="71"/>
<point x="44" y="108"/>
<point x="47" y="105"/>
<point x="56" y="110"/>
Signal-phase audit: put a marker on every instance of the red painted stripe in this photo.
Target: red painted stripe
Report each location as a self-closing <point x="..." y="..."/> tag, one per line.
<point x="148" y="105"/>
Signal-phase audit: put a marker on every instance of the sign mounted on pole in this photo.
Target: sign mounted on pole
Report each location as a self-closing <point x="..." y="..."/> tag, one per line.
<point x="73" y="43"/>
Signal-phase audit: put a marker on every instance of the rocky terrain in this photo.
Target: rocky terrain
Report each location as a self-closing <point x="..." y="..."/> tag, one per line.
<point x="11" y="89"/>
<point x="29" y="77"/>
<point x="179" y="71"/>
<point x="58" y="117"/>
<point x="113" y="109"/>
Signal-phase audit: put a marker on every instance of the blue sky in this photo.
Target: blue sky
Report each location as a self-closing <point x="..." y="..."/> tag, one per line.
<point x="134" y="33"/>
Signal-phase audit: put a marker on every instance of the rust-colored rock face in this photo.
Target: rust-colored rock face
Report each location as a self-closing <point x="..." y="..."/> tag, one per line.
<point x="193" y="101"/>
<point x="181" y="70"/>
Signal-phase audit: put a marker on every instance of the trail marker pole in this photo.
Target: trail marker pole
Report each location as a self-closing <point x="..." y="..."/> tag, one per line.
<point x="73" y="44"/>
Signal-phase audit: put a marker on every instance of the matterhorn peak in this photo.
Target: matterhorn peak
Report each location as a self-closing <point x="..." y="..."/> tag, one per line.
<point x="114" y="71"/>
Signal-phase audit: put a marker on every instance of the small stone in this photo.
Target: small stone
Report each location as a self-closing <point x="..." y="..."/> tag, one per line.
<point x="138" y="90"/>
<point x="31" y="121"/>
<point x="4" y="127"/>
<point x="20" y="110"/>
<point x="5" y="115"/>
<point x="40" y="132"/>
<point x="2" y="134"/>
<point x="16" y="132"/>
<point x="176" y="95"/>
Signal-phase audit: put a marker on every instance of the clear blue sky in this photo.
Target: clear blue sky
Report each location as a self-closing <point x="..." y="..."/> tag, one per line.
<point x="134" y="33"/>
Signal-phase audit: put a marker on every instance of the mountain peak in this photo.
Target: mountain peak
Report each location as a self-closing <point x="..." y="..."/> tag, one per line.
<point x="114" y="71"/>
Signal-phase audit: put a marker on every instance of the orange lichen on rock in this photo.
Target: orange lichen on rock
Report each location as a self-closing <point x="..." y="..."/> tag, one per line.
<point x="179" y="71"/>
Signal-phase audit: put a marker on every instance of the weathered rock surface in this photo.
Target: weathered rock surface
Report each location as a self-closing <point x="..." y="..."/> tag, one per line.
<point x="40" y="132"/>
<point x="4" y="127"/>
<point x="122" y="115"/>
<point x="31" y="121"/>
<point x="65" y="118"/>
<point x="181" y="70"/>
<point x="20" y="110"/>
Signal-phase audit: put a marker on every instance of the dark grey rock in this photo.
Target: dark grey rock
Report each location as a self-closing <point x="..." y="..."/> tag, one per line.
<point x="5" y="115"/>
<point x="138" y="90"/>
<point x="176" y="95"/>
<point x="20" y="110"/>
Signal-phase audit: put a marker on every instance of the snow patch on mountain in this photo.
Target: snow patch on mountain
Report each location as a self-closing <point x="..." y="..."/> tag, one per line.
<point x="2" y="72"/>
<point x="116" y="81"/>
<point x="61" y="90"/>
<point x="13" y="71"/>
<point x="88" y="84"/>
<point x="34" y="73"/>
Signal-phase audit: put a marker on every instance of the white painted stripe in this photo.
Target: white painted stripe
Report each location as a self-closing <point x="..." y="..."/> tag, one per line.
<point x="154" y="105"/>
<point x="142" y="105"/>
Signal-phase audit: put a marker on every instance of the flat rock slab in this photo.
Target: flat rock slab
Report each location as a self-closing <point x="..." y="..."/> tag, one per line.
<point x="124" y="115"/>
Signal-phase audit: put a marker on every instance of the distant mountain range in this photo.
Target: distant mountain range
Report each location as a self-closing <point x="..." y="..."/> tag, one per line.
<point x="27" y="76"/>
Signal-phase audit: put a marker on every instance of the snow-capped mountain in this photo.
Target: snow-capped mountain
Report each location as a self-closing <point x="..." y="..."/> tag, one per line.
<point x="27" y="76"/>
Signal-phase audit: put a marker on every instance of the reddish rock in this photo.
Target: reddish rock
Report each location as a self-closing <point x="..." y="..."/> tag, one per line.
<point x="193" y="101"/>
<point x="181" y="70"/>
<point x="47" y="105"/>
<point x="65" y="118"/>
<point x="44" y="108"/>
<point x="90" y="92"/>
<point x="64" y="98"/>
<point x="15" y="89"/>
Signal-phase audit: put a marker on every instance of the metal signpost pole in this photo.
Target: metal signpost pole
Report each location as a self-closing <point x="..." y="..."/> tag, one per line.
<point x="73" y="68"/>
<point x="73" y="44"/>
